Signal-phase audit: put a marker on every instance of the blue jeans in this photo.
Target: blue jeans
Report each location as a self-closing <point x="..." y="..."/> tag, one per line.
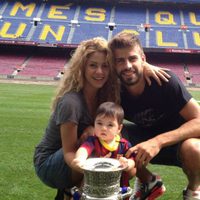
<point x="54" y="172"/>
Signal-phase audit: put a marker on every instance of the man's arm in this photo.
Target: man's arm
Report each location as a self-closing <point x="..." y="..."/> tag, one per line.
<point x="190" y="129"/>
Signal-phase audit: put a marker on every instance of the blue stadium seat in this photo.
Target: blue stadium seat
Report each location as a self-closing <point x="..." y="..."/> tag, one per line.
<point x="166" y="37"/>
<point x="51" y="32"/>
<point x="62" y="11"/>
<point x="15" y="29"/>
<point x="193" y="38"/>
<point x="87" y="31"/>
<point x="21" y="9"/>
<point x="164" y="16"/>
<point x="135" y="29"/>
<point x="92" y="18"/>
<point x="130" y="15"/>
<point x="191" y="17"/>
<point x="95" y="13"/>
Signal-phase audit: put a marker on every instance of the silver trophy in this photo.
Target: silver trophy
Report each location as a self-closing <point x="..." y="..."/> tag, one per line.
<point x="102" y="180"/>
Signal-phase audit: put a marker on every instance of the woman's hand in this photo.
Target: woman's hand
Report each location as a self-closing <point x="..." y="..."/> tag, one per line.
<point x="155" y="72"/>
<point x="80" y="159"/>
<point x="77" y="164"/>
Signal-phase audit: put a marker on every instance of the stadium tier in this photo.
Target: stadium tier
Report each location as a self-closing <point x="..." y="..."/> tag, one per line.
<point x="11" y="62"/>
<point x="60" y="23"/>
<point x="194" y="71"/>
<point x="49" y="29"/>
<point x="185" y="66"/>
<point x="32" y="63"/>
<point x="43" y="65"/>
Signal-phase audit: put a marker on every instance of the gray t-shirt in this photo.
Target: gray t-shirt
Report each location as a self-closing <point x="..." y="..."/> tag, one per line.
<point x="71" y="108"/>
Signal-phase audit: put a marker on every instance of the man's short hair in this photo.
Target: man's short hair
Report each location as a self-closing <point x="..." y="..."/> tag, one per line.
<point x="124" y="40"/>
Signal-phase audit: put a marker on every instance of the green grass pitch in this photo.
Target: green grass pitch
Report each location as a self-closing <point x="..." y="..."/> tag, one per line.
<point x="24" y="112"/>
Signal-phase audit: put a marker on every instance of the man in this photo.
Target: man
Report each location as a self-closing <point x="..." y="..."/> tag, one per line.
<point x="166" y="119"/>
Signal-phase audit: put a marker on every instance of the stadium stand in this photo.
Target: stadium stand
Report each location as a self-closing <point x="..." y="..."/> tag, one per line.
<point x="58" y="22"/>
<point x="185" y="66"/>
<point x="11" y="62"/>
<point x="44" y="65"/>
<point x="39" y="63"/>
<point x="166" y="30"/>
<point x="194" y="74"/>
<point x="193" y="67"/>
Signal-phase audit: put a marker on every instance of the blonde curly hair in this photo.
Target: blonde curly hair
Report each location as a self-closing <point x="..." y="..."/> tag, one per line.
<point x="73" y="78"/>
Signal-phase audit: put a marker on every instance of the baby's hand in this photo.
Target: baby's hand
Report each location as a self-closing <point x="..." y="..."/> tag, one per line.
<point x="124" y="162"/>
<point x="78" y="164"/>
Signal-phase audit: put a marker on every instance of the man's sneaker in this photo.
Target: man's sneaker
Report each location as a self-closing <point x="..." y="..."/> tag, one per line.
<point x="148" y="191"/>
<point x="191" y="195"/>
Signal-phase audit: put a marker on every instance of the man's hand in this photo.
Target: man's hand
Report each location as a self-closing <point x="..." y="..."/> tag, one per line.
<point x="144" y="151"/>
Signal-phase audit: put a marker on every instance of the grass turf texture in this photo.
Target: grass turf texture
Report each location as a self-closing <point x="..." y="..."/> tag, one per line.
<point x="24" y="112"/>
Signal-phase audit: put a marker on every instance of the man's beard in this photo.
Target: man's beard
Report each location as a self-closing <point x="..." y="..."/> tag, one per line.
<point x="129" y="81"/>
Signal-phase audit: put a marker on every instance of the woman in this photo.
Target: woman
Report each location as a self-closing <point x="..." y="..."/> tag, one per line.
<point x="88" y="81"/>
